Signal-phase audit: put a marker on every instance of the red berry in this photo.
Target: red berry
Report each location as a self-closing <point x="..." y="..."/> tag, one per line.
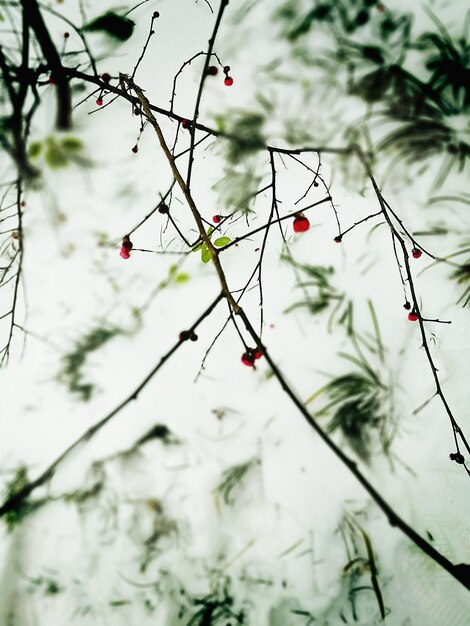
<point x="216" y="219"/>
<point x="416" y="252"/>
<point x="125" y="253"/>
<point x="185" y="123"/>
<point x="248" y="358"/>
<point x="99" y="102"/>
<point x="135" y="149"/>
<point x="212" y="70"/>
<point x="258" y="354"/>
<point x="413" y="316"/>
<point x="301" y="224"/>
<point x="228" y="81"/>
<point x="106" y="77"/>
<point x="338" y="239"/>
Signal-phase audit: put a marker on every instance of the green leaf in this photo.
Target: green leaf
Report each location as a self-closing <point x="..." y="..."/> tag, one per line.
<point x="112" y="24"/>
<point x="55" y="157"/>
<point x="72" y="144"/>
<point x="222" y="241"/>
<point x="205" y="254"/>
<point x="182" y="278"/>
<point x="34" y="149"/>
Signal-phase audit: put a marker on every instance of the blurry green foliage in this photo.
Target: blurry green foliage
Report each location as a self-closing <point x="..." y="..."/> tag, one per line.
<point x="462" y="276"/>
<point x="429" y="107"/>
<point x="112" y="24"/>
<point x="317" y="277"/>
<point x="57" y="152"/>
<point x="17" y="514"/>
<point x="232" y="477"/>
<point x="238" y="188"/>
<point x="73" y="362"/>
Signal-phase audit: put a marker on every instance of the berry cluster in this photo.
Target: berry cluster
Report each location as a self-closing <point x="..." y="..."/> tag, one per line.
<point x="213" y="70"/>
<point x="228" y="81"/>
<point x="250" y="356"/>
<point x="126" y="247"/>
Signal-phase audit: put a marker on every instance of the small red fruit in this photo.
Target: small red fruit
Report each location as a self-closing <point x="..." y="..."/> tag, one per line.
<point x="185" y="123"/>
<point x="99" y="102"/>
<point x="416" y="252"/>
<point x="301" y="224"/>
<point x="338" y="239"/>
<point x="216" y="219"/>
<point x="248" y="358"/>
<point x="258" y="354"/>
<point x="106" y="77"/>
<point x="212" y="70"/>
<point x="413" y="316"/>
<point x="228" y="82"/>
